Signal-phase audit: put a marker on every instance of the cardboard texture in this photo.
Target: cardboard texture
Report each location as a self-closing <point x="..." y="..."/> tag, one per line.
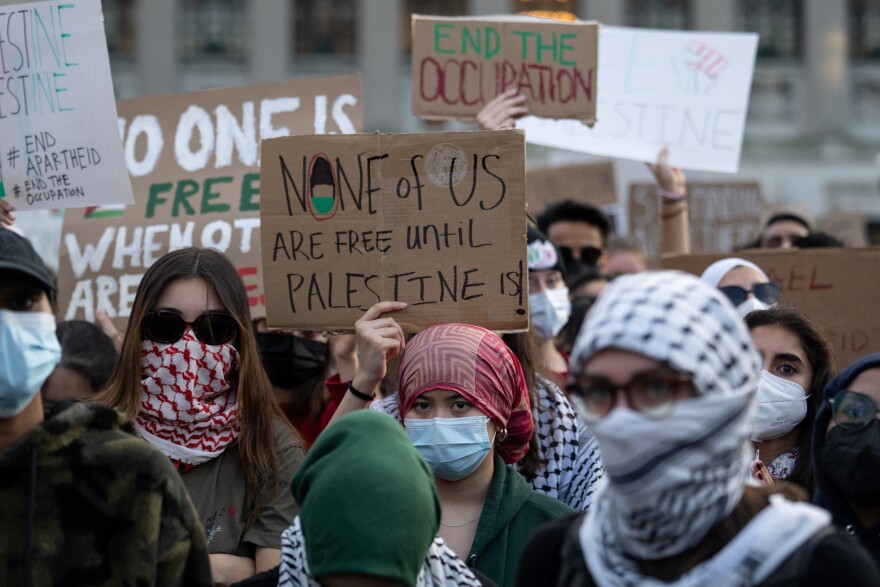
<point x="59" y="142"/>
<point x="591" y="183"/>
<point x="436" y="220"/>
<point x="461" y="64"/>
<point x="688" y="90"/>
<point x="836" y="287"/>
<point x="194" y="163"/>
<point x="723" y="216"/>
<point x="848" y="227"/>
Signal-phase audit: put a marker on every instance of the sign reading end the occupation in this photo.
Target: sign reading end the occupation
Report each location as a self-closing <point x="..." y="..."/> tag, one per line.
<point x="436" y="220"/>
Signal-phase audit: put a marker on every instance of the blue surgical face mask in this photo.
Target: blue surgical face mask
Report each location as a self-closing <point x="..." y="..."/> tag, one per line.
<point x="454" y="447"/>
<point x="29" y="351"/>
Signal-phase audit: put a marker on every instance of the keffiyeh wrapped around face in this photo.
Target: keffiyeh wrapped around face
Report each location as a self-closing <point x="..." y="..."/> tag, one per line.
<point x="475" y="363"/>
<point x="670" y="480"/>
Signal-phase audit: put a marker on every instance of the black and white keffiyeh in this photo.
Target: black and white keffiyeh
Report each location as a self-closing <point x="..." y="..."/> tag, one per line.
<point x="570" y="462"/>
<point x="670" y="480"/>
<point x="442" y="568"/>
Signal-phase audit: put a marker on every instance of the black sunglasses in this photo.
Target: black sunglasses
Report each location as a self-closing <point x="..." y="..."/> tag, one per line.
<point x="766" y="292"/>
<point x="588" y="255"/>
<point x="211" y="327"/>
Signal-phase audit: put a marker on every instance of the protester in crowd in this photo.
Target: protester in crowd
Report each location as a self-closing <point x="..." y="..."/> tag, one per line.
<point x="189" y="375"/>
<point x="464" y="403"/>
<point x="370" y="512"/>
<point x="667" y="373"/>
<point x="85" y="501"/>
<point x="846" y="452"/>
<point x="782" y="230"/>
<point x="88" y="357"/>
<point x="744" y="283"/>
<point x="580" y="232"/>
<point x="549" y="306"/>
<point x="798" y="361"/>
<point x="625" y="256"/>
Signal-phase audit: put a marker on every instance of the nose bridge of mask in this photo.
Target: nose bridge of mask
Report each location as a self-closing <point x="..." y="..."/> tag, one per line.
<point x="774" y="389"/>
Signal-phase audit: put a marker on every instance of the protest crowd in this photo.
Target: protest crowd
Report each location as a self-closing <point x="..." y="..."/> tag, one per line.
<point x="347" y="359"/>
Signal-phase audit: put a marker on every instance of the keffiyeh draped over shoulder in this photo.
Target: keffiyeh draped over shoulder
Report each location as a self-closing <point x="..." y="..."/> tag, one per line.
<point x="475" y="363"/>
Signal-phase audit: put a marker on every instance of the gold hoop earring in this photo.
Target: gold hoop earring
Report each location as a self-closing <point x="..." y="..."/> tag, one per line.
<point x="501" y="435"/>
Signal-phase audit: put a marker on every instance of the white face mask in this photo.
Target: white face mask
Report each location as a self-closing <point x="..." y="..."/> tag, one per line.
<point x="782" y="405"/>
<point x="750" y="305"/>
<point x="549" y="310"/>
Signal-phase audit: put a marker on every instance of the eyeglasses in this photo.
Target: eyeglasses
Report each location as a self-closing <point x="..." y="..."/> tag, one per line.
<point x="588" y="255"/>
<point x="766" y="292"/>
<point x="853" y="410"/>
<point x="210" y="328"/>
<point x="653" y="393"/>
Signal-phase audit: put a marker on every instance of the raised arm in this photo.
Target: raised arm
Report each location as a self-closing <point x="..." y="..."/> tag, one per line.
<point x="673" y="205"/>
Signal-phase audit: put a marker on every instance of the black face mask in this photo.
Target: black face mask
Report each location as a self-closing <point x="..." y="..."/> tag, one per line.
<point x="289" y="360"/>
<point x="851" y="460"/>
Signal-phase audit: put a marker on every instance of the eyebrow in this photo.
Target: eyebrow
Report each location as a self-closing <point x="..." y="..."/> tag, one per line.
<point x="787" y="357"/>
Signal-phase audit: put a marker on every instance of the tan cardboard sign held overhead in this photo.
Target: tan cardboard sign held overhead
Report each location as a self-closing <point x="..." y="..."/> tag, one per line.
<point x="436" y="220"/>
<point x="590" y="183"/>
<point x="723" y="216"/>
<point x="460" y="64"/>
<point x="194" y="164"/>
<point x="836" y="287"/>
<point x="848" y="227"/>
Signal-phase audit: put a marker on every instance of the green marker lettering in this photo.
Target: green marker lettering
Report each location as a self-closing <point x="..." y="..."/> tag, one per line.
<point x="64" y="35"/>
<point x="155" y="199"/>
<point x="186" y="188"/>
<point x="208" y="194"/>
<point x="248" y="191"/>
<point x="438" y="35"/>
<point x="563" y="47"/>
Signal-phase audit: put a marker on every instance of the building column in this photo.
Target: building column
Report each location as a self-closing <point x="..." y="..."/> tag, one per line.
<point x="378" y="43"/>
<point x="270" y="35"/>
<point x="826" y="61"/>
<point x="610" y="12"/>
<point x="156" y="47"/>
<point x="714" y="15"/>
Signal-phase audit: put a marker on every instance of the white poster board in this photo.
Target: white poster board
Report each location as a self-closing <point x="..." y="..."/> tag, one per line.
<point x="59" y="139"/>
<point x="687" y="90"/>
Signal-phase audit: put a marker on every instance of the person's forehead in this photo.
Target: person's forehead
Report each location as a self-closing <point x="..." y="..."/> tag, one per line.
<point x="574" y="233"/>
<point x="867" y="382"/>
<point x="786" y="227"/>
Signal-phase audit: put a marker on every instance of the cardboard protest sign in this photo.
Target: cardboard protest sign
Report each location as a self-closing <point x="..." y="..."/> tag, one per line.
<point x="591" y="183"/>
<point x="460" y="64"/>
<point x="59" y="143"/>
<point x="687" y="90"/>
<point x="723" y="216"/>
<point x="194" y="161"/>
<point x="836" y="287"/>
<point x="436" y="220"/>
<point x="848" y="227"/>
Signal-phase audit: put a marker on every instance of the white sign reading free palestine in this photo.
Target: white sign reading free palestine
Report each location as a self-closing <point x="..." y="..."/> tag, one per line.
<point x="59" y="138"/>
<point x="687" y="90"/>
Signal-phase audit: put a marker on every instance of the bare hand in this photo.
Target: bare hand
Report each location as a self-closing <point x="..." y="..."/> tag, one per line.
<point x="502" y="111"/>
<point x="669" y="179"/>
<point x="379" y="339"/>
<point x="106" y="324"/>
<point x="343" y="349"/>
<point x="7" y="218"/>
<point x="760" y="472"/>
<point x="228" y="568"/>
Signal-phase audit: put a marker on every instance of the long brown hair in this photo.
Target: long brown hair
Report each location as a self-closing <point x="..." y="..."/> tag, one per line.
<point x="256" y="402"/>
<point x="525" y="349"/>
<point x="820" y="354"/>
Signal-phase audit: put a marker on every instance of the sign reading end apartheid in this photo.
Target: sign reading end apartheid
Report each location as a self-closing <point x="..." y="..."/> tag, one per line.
<point x="59" y="142"/>
<point x="460" y="64"/>
<point x="685" y="90"/>
<point x="194" y="160"/>
<point x="833" y="286"/>
<point x="436" y="220"/>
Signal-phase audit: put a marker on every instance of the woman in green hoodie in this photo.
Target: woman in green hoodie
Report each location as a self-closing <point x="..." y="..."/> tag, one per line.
<point x="465" y="405"/>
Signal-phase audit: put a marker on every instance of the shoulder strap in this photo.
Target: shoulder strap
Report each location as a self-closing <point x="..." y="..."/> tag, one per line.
<point x="573" y="568"/>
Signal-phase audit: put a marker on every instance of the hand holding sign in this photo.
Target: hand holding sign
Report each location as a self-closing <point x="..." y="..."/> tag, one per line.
<point x="379" y="340"/>
<point x="501" y="113"/>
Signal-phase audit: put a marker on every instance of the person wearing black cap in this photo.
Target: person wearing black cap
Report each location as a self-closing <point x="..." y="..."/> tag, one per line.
<point x="85" y="500"/>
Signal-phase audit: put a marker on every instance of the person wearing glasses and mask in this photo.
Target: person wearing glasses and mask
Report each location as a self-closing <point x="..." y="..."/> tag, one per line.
<point x="846" y="452"/>
<point x="745" y="284"/>
<point x="189" y="376"/>
<point x="666" y="372"/>
<point x="580" y="231"/>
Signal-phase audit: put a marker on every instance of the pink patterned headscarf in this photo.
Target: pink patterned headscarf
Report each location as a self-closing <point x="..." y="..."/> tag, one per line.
<point x="475" y="363"/>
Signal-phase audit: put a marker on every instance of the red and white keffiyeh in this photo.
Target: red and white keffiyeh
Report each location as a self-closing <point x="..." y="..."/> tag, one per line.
<point x="188" y="406"/>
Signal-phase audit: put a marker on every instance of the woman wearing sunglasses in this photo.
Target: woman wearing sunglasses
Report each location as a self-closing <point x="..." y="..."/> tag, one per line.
<point x="189" y="376"/>
<point x="846" y="452"/>
<point x="745" y="284"/>
<point x="798" y="361"/>
<point x="666" y="372"/>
